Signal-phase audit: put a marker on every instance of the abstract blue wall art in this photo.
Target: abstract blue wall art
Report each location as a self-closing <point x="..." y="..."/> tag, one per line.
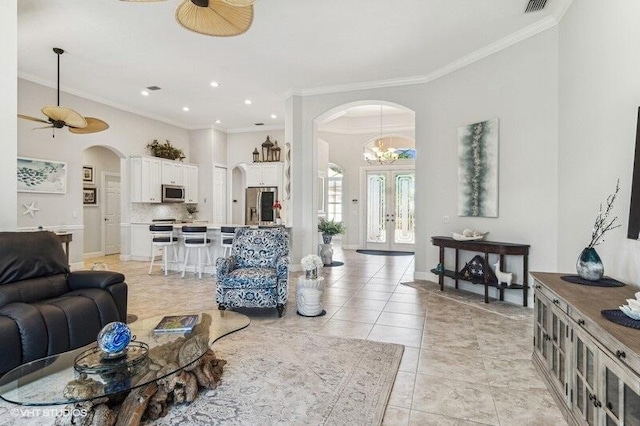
<point x="478" y="169"/>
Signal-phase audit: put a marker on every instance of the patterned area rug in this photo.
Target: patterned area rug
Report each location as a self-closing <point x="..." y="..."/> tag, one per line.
<point x="282" y="377"/>
<point x="275" y="376"/>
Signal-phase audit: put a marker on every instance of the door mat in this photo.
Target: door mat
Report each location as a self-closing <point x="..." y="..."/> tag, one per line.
<point x="334" y="263"/>
<point x="386" y="253"/>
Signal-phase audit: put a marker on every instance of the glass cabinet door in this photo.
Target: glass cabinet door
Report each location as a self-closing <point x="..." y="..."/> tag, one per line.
<point x="541" y="333"/>
<point x="558" y="342"/>
<point x="620" y="395"/>
<point x="585" y="398"/>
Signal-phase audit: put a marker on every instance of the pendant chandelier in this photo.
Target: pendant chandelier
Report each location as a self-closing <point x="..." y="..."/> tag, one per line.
<point x="379" y="153"/>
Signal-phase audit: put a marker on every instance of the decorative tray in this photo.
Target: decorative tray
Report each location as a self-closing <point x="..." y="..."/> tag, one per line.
<point x="460" y="237"/>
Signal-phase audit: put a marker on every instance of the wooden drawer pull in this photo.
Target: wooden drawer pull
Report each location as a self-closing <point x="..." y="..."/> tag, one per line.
<point x="620" y="354"/>
<point x="580" y="322"/>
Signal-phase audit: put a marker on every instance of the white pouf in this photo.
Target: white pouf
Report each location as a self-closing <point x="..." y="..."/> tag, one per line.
<point x="310" y="296"/>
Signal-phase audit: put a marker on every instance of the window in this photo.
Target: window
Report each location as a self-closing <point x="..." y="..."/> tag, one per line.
<point x="334" y="193"/>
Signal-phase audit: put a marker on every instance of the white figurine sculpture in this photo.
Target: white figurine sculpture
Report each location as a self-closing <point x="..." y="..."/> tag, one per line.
<point x="503" y="277"/>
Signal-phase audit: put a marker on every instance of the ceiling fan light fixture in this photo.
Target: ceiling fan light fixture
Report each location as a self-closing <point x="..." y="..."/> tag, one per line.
<point x="64" y="115"/>
<point x="214" y="17"/>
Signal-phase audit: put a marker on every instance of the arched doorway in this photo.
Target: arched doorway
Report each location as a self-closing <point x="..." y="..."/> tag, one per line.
<point x="101" y="201"/>
<point x="374" y="141"/>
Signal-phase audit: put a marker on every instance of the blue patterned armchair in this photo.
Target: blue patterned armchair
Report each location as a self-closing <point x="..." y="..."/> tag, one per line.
<point x="256" y="275"/>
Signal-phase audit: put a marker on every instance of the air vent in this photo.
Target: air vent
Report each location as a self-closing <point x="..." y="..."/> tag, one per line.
<point x="153" y="88"/>
<point x="258" y="124"/>
<point x="535" y="5"/>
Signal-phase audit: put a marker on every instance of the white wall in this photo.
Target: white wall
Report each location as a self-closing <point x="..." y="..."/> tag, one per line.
<point x="599" y="98"/>
<point x="519" y="86"/>
<point x="128" y="135"/>
<point x="102" y="160"/>
<point x="8" y="110"/>
<point x="208" y="147"/>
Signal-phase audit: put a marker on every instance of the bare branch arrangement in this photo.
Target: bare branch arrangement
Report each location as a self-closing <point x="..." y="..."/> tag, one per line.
<point x="603" y="224"/>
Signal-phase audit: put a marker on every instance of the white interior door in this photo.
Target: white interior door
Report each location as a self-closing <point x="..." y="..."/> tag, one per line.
<point x="220" y="199"/>
<point x="111" y="222"/>
<point x="390" y="210"/>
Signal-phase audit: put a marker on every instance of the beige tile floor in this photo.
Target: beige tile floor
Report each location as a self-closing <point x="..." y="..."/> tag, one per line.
<point x="465" y="363"/>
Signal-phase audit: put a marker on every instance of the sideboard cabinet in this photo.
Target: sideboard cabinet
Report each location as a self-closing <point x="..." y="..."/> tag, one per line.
<point x="591" y="366"/>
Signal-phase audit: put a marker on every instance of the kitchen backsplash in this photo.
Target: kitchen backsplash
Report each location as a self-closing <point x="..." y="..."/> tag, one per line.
<point x="145" y="213"/>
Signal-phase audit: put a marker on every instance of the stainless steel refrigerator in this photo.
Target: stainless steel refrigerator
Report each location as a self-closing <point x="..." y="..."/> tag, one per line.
<point x="259" y="205"/>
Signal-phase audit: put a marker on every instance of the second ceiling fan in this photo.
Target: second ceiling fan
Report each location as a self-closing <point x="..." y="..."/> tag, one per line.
<point x="59" y="117"/>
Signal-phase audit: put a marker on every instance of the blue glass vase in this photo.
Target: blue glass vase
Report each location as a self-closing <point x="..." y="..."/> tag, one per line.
<point x="589" y="265"/>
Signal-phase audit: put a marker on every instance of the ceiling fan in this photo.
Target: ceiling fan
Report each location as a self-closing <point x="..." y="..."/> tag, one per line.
<point x="59" y="117"/>
<point x="221" y="18"/>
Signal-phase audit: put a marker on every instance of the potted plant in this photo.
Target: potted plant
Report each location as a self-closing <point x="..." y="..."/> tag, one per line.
<point x="165" y="150"/>
<point x="191" y="210"/>
<point x="329" y="228"/>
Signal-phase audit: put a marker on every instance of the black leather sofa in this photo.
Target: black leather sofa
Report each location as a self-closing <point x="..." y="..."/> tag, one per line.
<point x="44" y="308"/>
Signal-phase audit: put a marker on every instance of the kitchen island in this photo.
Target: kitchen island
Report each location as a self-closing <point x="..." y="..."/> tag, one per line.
<point x="141" y="243"/>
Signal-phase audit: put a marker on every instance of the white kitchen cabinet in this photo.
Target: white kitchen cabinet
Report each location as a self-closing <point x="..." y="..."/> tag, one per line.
<point x="190" y="182"/>
<point x="590" y="364"/>
<point x="145" y="180"/>
<point x="264" y="174"/>
<point x="172" y="173"/>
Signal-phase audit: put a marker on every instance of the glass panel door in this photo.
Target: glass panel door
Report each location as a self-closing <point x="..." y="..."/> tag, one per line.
<point x="390" y="210"/>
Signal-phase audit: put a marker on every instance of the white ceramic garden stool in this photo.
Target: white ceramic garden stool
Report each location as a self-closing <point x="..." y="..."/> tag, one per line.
<point x="310" y="296"/>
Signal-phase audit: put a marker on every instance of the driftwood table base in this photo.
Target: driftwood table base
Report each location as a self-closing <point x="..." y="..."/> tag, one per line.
<point x="152" y="400"/>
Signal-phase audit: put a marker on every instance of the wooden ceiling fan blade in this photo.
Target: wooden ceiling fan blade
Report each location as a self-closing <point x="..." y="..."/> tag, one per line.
<point x="217" y="18"/>
<point x="94" y="125"/>
<point x="26" y="117"/>
<point x="45" y="127"/>
<point x="66" y="115"/>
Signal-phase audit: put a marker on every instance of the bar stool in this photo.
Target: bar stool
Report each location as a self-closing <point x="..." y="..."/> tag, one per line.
<point x="226" y="239"/>
<point x="195" y="237"/>
<point x="162" y="237"/>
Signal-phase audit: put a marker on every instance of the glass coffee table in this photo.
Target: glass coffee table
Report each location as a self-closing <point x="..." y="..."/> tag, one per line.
<point x="42" y="382"/>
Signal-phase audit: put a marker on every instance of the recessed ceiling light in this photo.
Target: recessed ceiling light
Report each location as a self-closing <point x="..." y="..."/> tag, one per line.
<point x="218" y="121"/>
<point x="215" y="84"/>
<point x="274" y="116"/>
<point x="247" y="101"/>
<point x="185" y="109"/>
<point x="145" y="93"/>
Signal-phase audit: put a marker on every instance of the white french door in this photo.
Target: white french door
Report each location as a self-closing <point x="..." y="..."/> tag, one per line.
<point x="390" y="210"/>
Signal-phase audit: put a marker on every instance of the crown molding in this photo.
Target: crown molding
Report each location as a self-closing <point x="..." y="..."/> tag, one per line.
<point x="501" y="44"/>
<point x="255" y="129"/>
<point x="405" y="81"/>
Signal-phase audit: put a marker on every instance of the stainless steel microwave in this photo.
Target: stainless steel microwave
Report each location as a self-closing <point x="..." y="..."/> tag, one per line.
<point x="173" y="194"/>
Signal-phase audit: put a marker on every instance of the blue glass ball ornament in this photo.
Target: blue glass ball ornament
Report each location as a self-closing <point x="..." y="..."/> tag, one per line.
<point x="114" y="337"/>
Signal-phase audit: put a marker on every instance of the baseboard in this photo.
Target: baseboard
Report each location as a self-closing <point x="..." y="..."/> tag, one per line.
<point x="425" y="276"/>
<point x="125" y="257"/>
<point x="350" y="246"/>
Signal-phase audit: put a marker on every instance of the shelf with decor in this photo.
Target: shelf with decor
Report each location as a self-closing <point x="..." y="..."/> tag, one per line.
<point x="487" y="248"/>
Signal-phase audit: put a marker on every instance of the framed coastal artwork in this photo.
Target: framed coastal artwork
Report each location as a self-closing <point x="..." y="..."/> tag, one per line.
<point x="478" y="169"/>
<point x="87" y="174"/>
<point x="90" y="196"/>
<point x="45" y="176"/>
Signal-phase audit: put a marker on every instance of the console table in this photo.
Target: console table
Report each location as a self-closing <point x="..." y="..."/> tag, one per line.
<point x="486" y="247"/>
